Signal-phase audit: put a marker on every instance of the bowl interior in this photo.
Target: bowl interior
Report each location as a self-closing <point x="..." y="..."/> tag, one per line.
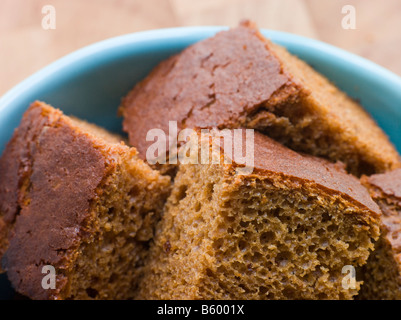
<point x="90" y="83"/>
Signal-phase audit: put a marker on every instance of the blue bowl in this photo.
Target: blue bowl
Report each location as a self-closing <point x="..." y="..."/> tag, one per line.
<point x="90" y="82"/>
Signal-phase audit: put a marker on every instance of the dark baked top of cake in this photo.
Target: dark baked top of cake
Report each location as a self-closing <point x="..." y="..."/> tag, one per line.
<point x="389" y="183"/>
<point x="15" y="161"/>
<point x="271" y="156"/>
<point x="213" y="83"/>
<point x="44" y="191"/>
<point x="385" y="189"/>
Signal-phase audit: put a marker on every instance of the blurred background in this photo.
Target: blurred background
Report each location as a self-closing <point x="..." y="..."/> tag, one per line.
<point x="25" y="46"/>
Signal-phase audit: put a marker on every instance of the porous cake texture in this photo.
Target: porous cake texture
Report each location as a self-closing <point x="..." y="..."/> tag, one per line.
<point x="284" y="231"/>
<point x="240" y="79"/>
<point x="382" y="273"/>
<point x="76" y="198"/>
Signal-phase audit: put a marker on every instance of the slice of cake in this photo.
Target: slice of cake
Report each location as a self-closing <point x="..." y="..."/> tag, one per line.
<point x="284" y="231"/>
<point x="239" y="78"/>
<point x="76" y="199"/>
<point x="382" y="273"/>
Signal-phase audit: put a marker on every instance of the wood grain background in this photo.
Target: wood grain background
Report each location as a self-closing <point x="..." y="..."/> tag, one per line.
<point x="25" y="47"/>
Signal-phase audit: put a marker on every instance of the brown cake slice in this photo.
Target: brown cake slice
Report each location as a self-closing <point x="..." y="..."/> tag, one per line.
<point x="75" y="197"/>
<point x="239" y="78"/>
<point x="382" y="273"/>
<point x="285" y="231"/>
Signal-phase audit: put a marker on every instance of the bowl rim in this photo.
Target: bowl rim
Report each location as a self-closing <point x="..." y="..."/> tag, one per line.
<point x="287" y="39"/>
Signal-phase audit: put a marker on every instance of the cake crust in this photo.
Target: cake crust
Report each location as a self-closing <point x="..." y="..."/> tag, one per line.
<point x="382" y="273"/>
<point x="389" y="183"/>
<point x="56" y="230"/>
<point x="274" y="157"/>
<point x="16" y="162"/>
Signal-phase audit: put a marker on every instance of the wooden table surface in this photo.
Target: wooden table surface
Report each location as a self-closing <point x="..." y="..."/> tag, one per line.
<point x="26" y="47"/>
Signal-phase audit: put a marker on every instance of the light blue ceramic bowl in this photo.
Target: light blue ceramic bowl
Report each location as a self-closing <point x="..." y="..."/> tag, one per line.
<point x="90" y="82"/>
